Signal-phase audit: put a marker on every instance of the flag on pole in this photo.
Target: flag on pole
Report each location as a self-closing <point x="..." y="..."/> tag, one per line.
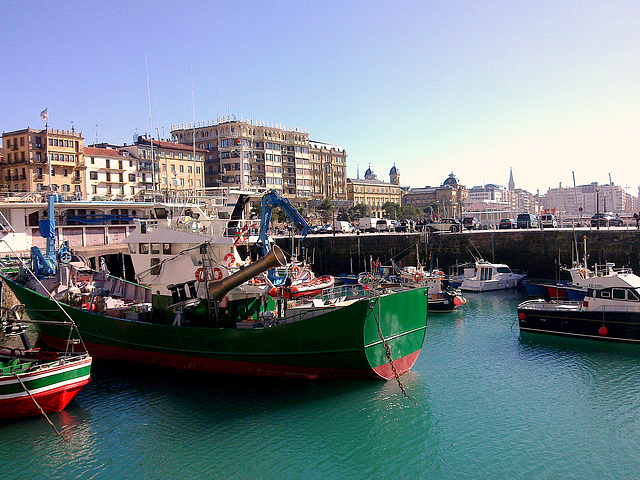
<point x="44" y="115"/>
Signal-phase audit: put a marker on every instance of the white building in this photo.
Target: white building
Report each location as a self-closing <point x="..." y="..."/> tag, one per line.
<point x="110" y="174"/>
<point x="609" y="198"/>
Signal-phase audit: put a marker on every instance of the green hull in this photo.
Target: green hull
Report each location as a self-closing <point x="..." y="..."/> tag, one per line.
<point x="325" y="342"/>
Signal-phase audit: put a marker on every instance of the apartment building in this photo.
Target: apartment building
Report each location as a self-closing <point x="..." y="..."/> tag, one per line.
<point x="328" y="171"/>
<point x="36" y="160"/>
<point x="245" y="154"/>
<point x="111" y="173"/>
<point x="176" y="169"/>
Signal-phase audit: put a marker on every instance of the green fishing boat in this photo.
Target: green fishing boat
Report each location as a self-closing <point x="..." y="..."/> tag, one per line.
<point x="202" y="309"/>
<point x="349" y="333"/>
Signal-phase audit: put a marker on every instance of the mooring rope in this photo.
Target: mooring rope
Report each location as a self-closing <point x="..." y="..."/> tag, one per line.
<point x="39" y="407"/>
<point x="387" y="349"/>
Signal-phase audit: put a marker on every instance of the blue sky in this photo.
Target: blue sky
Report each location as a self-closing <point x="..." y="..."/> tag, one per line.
<point x="470" y="87"/>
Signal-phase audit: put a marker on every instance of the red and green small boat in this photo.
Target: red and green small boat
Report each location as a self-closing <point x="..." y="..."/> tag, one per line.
<point x="33" y="381"/>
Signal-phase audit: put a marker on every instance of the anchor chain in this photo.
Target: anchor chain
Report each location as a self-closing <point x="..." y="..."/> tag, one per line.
<point x="387" y="349"/>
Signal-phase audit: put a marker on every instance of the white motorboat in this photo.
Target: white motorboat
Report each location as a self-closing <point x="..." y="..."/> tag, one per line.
<point x="491" y="276"/>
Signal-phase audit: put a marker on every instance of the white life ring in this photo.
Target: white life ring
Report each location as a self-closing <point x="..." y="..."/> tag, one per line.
<point x="200" y="274"/>
<point x="230" y="259"/>
<point x="296" y="271"/>
<point x="217" y="274"/>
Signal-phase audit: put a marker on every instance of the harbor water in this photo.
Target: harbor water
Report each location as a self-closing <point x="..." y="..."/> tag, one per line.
<point x="483" y="401"/>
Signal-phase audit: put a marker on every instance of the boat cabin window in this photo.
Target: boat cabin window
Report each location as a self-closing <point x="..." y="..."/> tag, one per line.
<point x="485" y="274"/>
<point x="32" y="219"/>
<point x="155" y="248"/>
<point x="155" y="266"/>
<point x="604" y="294"/>
<point x="503" y="270"/>
<point x="132" y="248"/>
<point x="166" y="248"/>
<point x="143" y="248"/>
<point x="619" y="294"/>
<point x="160" y="213"/>
<point x="632" y="295"/>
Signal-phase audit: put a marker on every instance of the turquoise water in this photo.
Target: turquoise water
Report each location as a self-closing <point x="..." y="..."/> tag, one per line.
<point x="484" y="403"/>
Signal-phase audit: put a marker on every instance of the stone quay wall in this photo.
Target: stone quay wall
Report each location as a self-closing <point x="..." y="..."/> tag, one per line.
<point x="535" y="252"/>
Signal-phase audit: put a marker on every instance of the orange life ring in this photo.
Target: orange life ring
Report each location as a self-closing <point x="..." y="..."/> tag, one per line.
<point x="296" y="271"/>
<point x="200" y="274"/>
<point x="230" y="259"/>
<point x="417" y="277"/>
<point x="217" y="274"/>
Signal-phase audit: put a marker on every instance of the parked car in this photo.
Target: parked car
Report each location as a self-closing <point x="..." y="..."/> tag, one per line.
<point x="446" y="225"/>
<point x="471" y="223"/>
<point x="548" y="220"/>
<point x="403" y="226"/>
<point x="507" y="223"/>
<point x="527" y="220"/>
<point x="608" y="219"/>
<point x="328" y="228"/>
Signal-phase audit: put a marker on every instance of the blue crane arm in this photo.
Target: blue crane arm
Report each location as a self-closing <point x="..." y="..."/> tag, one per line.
<point x="270" y="200"/>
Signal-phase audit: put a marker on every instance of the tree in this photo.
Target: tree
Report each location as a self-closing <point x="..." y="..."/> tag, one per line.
<point x="326" y="209"/>
<point x="391" y="209"/>
<point x="409" y="211"/>
<point x="358" y="211"/>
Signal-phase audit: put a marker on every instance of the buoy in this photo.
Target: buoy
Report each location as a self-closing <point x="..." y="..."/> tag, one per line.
<point x="217" y="274"/>
<point x="603" y="331"/>
<point x="522" y="316"/>
<point x="200" y="274"/>
<point x="417" y="277"/>
<point x="457" y="301"/>
<point x="295" y="271"/>
<point x="230" y="259"/>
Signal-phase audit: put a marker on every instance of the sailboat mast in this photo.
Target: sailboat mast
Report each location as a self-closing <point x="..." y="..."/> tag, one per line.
<point x="193" y="103"/>
<point x="153" y="162"/>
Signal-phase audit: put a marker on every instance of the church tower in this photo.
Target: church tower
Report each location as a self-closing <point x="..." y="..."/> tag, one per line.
<point x="512" y="184"/>
<point x="394" y="175"/>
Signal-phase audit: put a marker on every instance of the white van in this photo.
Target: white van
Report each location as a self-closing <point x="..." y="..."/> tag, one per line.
<point x="342" y="227"/>
<point x="384" y="225"/>
<point x="367" y="224"/>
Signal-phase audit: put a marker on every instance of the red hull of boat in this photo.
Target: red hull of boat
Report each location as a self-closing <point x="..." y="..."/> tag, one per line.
<point x="51" y="401"/>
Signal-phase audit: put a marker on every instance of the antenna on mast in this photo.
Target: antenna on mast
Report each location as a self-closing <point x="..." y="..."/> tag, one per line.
<point x="193" y="103"/>
<point x="153" y="162"/>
